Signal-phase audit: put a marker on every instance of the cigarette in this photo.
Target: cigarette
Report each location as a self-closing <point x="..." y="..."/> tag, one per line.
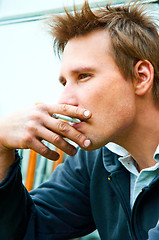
<point x="66" y="118"/>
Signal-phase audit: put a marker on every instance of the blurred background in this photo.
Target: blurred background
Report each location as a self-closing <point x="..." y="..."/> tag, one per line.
<point x="29" y="69"/>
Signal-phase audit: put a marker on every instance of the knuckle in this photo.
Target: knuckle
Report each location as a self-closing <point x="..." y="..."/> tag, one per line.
<point x="27" y="141"/>
<point x="77" y="111"/>
<point x="40" y="106"/>
<point x="31" y="127"/>
<point x="39" y="111"/>
<point x="56" y="139"/>
<point x="79" y="137"/>
<point x="45" y="151"/>
<point x="62" y="126"/>
<point x="34" y="116"/>
<point x="64" y="108"/>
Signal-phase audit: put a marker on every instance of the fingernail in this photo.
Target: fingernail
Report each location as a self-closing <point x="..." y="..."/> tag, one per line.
<point x="87" y="143"/>
<point x="86" y="113"/>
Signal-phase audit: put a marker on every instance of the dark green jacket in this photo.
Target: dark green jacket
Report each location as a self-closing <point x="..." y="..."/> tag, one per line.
<point x="88" y="191"/>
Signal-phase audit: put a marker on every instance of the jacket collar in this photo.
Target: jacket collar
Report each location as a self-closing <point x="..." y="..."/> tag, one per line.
<point x="110" y="160"/>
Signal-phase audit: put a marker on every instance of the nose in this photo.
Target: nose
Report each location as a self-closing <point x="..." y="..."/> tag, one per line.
<point x="68" y="95"/>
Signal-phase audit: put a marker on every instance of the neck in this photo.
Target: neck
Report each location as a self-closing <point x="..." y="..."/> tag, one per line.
<point x="142" y="139"/>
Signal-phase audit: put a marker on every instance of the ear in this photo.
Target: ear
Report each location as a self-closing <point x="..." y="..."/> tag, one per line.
<point x="144" y="73"/>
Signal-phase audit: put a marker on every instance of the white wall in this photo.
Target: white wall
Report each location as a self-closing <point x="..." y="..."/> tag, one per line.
<point x="14" y="7"/>
<point x="28" y="68"/>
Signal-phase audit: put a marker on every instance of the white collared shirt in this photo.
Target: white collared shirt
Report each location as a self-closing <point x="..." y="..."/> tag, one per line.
<point x="137" y="180"/>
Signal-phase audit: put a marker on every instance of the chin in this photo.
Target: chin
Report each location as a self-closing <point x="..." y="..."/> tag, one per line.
<point x="96" y="145"/>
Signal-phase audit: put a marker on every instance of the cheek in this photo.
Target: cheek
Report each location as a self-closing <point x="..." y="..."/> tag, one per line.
<point x="112" y="116"/>
<point x="115" y="108"/>
<point x="88" y="97"/>
<point x="100" y="100"/>
<point x="109" y="102"/>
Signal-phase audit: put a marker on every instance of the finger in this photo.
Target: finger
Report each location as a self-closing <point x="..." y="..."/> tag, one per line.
<point x="65" y="130"/>
<point x="67" y="110"/>
<point x="57" y="141"/>
<point x="43" y="150"/>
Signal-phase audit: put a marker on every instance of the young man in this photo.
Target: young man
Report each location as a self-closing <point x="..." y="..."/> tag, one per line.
<point x="110" y="73"/>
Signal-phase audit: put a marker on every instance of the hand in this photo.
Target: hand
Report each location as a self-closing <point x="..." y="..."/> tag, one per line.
<point x="27" y="129"/>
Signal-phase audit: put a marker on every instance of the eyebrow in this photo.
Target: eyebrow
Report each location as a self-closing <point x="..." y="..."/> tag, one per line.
<point x="82" y="69"/>
<point x="78" y="70"/>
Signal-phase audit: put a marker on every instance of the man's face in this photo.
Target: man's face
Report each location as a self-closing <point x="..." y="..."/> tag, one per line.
<point x="92" y="80"/>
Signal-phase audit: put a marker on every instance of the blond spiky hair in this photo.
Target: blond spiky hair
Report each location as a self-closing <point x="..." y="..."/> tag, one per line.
<point x="133" y="34"/>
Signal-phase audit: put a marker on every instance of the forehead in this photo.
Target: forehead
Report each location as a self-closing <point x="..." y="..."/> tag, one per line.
<point x="92" y="48"/>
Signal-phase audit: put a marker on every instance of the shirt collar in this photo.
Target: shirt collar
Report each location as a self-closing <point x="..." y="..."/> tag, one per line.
<point x="126" y="159"/>
<point x="113" y="147"/>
